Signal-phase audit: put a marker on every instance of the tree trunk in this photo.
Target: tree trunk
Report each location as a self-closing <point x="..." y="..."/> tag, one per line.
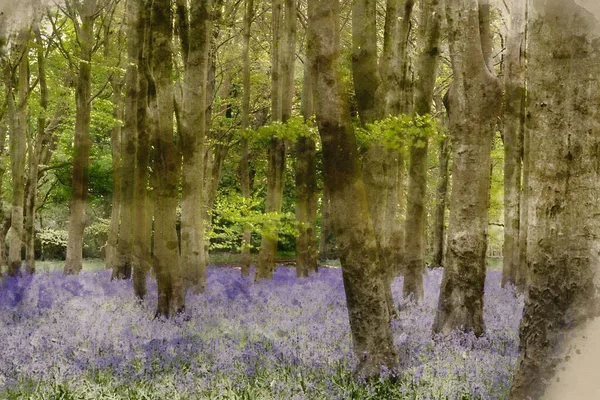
<point x="82" y="143"/>
<point x="514" y="125"/>
<point x="165" y="181"/>
<point x="244" y="162"/>
<point x="327" y="247"/>
<point x="142" y="238"/>
<point x="364" y="59"/>
<point x="522" y="269"/>
<point x="193" y="137"/>
<point x="306" y="183"/>
<point x="365" y="294"/>
<point x="18" y="150"/>
<point x="35" y="150"/>
<point x="439" y="227"/>
<point x="4" y="214"/>
<point x="416" y="220"/>
<point x="276" y="151"/>
<point x="564" y="203"/>
<point x="123" y="267"/>
<point x="115" y="214"/>
<point x="474" y="101"/>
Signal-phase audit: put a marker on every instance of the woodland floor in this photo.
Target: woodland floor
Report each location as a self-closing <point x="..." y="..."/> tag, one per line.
<point x="86" y="337"/>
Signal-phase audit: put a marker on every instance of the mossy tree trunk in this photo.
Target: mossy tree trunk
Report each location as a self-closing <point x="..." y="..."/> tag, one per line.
<point x="17" y="104"/>
<point x="122" y="268"/>
<point x="306" y="183"/>
<point x="142" y="231"/>
<point x="414" y="250"/>
<point x="439" y="224"/>
<point x="365" y="294"/>
<point x="81" y="158"/>
<point x="474" y="101"/>
<point x="245" y="160"/>
<point x="193" y="136"/>
<point x="514" y="125"/>
<point x="564" y="197"/>
<point x="276" y="151"/>
<point x="166" y="260"/>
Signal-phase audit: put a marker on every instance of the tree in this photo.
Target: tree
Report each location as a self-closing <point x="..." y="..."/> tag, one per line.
<point x="165" y="178"/>
<point x="142" y="232"/>
<point x="281" y="91"/>
<point x="564" y="189"/>
<point x="514" y="125"/>
<point x="439" y="225"/>
<point x="365" y="294"/>
<point x="123" y="263"/>
<point x="83" y="15"/>
<point x="474" y="101"/>
<point x="18" y="147"/>
<point x="414" y="249"/>
<point x="244" y="162"/>
<point x="306" y="182"/>
<point x="193" y="134"/>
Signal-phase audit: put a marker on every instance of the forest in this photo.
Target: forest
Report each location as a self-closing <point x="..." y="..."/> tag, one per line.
<point x="299" y="199"/>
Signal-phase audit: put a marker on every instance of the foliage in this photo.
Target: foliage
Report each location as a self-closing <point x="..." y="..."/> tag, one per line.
<point x="290" y="131"/>
<point x="86" y="338"/>
<point x="395" y="132"/>
<point x="233" y="212"/>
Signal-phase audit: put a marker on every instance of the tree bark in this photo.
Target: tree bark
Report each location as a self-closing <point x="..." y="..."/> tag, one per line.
<point x="439" y="227"/>
<point x="365" y="294"/>
<point x="276" y="151"/>
<point x="18" y="150"/>
<point x="564" y="204"/>
<point x="115" y="213"/>
<point x="244" y="162"/>
<point x="514" y="125"/>
<point x="193" y="137"/>
<point x="166" y="261"/>
<point x="327" y="247"/>
<point x="42" y="139"/>
<point x="306" y="183"/>
<point x="364" y="59"/>
<point x="82" y="143"/>
<point x="414" y="249"/>
<point x="474" y="101"/>
<point x="123" y="267"/>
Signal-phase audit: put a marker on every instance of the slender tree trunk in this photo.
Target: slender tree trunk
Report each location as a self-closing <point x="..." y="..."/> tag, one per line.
<point x="365" y="294"/>
<point x="82" y="143"/>
<point x="514" y="125"/>
<point x="327" y="247"/>
<point x="522" y="265"/>
<point x="306" y="182"/>
<point x="364" y="58"/>
<point x="474" y="101"/>
<point x="166" y="260"/>
<point x="18" y="150"/>
<point x="4" y="214"/>
<point x="244" y="162"/>
<point x="564" y="199"/>
<point x="393" y="242"/>
<point x="142" y="238"/>
<point x="439" y="228"/>
<point x="416" y="219"/>
<point x="375" y="162"/>
<point x="115" y="214"/>
<point x="276" y="151"/>
<point x="194" y="136"/>
<point x="123" y="266"/>
<point x="35" y="150"/>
